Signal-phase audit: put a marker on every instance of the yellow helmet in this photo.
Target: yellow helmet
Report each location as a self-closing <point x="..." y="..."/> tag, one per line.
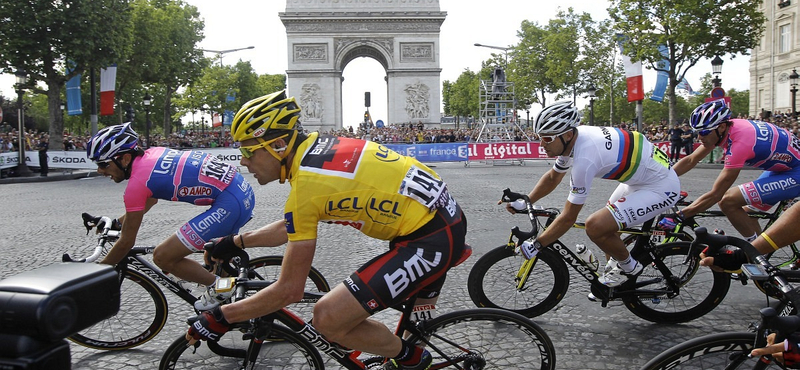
<point x="265" y="115"/>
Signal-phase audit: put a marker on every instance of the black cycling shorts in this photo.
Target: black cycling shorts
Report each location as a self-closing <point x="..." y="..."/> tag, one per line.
<point x="417" y="262"/>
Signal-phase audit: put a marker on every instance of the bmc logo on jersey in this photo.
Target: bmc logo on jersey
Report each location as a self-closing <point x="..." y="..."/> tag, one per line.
<point x="194" y="191"/>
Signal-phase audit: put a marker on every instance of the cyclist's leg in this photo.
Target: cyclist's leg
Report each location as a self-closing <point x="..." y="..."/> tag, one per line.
<point x="630" y="206"/>
<point x="413" y="262"/>
<point x="761" y="193"/>
<point x="229" y="212"/>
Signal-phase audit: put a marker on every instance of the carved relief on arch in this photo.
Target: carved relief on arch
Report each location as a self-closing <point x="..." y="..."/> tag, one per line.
<point x="418" y="96"/>
<point x="341" y="43"/>
<point x="311" y="103"/>
<point x="311" y="52"/>
<point x="416" y="51"/>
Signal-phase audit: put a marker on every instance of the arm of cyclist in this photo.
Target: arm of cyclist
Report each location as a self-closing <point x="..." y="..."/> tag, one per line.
<point x="786" y="352"/>
<point x="723" y="182"/>
<point x="559" y="227"/>
<point x="127" y="238"/>
<point x="546" y="184"/>
<point x="690" y="161"/>
<point x="288" y="289"/>
<point x="783" y="232"/>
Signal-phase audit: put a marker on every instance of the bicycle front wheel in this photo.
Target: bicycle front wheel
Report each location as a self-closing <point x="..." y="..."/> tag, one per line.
<point x="486" y="338"/>
<point x="280" y="349"/>
<point x="141" y="316"/>
<point x="269" y="268"/>
<point x="493" y="282"/>
<point x="700" y="288"/>
<point x="715" y="351"/>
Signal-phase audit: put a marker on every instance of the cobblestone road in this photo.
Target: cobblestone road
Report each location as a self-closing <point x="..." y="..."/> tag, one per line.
<point x="42" y="220"/>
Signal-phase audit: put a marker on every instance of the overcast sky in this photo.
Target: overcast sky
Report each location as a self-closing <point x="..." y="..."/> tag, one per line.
<point x="241" y="23"/>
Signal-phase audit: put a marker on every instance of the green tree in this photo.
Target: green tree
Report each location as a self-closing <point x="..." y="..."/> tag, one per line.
<point x="462" y="96"/>
<point x="165" y="56"/>
<point x="270" y="83"/>
<point x="690" y="30"/>
<point x="40" y="35"/>
<point x="532" y="82"/>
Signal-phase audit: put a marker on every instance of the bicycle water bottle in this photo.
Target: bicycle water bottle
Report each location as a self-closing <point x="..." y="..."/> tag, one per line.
<point x="587" y="256"/>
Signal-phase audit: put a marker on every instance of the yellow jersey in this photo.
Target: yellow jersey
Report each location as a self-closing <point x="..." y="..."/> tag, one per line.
<point x="361" y="184"/>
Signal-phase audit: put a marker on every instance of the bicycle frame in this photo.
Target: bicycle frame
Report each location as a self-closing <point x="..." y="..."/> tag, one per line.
<point x="640" y="247"/>
<point x="134" y="259"/>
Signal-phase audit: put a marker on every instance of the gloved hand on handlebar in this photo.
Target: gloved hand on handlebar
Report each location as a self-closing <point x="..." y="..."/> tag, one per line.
<point x="208" y="325"/>
<point x="223" y="248"/>
<point x="786" y="352"/>
<point x="728" y="260"/>
<point x="669" y="222"/>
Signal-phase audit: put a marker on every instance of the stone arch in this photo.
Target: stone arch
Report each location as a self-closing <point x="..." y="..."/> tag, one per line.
<point x="323" y="36"/>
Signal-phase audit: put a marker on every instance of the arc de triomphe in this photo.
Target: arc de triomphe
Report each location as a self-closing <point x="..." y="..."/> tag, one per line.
<point x="325" y="35"/>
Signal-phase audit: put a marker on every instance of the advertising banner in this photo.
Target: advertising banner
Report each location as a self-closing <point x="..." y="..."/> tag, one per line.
<point x="443" y="152"/>
<point x="505" y="151"/>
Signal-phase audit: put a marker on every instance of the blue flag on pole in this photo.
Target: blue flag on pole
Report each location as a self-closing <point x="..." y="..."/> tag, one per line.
<point x="74" y="93"/>
<point x="663" y="76"/>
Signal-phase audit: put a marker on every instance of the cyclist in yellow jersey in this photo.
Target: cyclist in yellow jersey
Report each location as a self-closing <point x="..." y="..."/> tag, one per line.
<point x="354" y="183"/>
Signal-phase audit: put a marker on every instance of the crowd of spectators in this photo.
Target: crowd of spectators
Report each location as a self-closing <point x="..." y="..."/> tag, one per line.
<point x="394" y="134"/>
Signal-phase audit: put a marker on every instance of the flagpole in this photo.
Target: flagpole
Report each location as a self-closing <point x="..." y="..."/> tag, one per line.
<point x="93" y="89"/>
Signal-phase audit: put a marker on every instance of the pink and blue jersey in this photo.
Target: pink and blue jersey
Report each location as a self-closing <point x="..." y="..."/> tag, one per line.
<point x="770" y="148"/>
<point x="193" y="177"/>
<point x="761" y="145"/>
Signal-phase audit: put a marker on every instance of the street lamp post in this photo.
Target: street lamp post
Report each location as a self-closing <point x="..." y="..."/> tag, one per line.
<point x="147" y="100"/>
<point x="504" y="49"/>
<point x="716" y="69"/>
<point x="22" y="167"/>
<point x="528" y="117"/>
<point x="221" y="52"/>
<point x="793" y="80"/>
<point x="592" y="91"/>
<point x="63" y="107"/>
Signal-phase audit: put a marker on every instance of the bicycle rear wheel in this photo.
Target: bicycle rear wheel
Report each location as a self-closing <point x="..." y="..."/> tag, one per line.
<point x="141" y="316"/>
<point x="493" y="282"/>
<point x="282" y="349"/>
<point x="701" y="289"/>
<point x="715" y="351"/>
<point x="269" y="268"/>
<point x="486" y="338"/>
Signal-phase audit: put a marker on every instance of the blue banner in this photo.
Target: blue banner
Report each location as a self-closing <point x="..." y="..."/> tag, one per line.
<point x="445" y="152"/>
<point x="227" y="117"/>
<point x="74" y="94"/>
<point x="663" y="76"/>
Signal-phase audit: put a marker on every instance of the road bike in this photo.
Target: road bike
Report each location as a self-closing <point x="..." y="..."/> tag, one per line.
<point x="784" y="257"/>
<point x="143" y="306"/>
<point x="731" y="350"/>
<point x="479" y="338"/>
<point x="672" y="288"/>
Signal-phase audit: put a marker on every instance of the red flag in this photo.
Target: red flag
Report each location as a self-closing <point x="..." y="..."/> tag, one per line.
<point x="108" y="82"/>
<point x="216" y="120"/>
<point x="633" y="74"/>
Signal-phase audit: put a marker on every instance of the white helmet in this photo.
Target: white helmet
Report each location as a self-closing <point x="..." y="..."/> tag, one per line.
<point x="557" y="118"/>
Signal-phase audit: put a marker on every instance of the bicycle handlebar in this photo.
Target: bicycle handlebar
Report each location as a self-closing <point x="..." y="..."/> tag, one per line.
<point x="530" y="209"/>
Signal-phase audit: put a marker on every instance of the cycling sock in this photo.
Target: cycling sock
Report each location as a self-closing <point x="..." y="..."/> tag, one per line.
<point x="752" y="237"/>
<point x="409" y="354"/>
<point x="628" y="264"/>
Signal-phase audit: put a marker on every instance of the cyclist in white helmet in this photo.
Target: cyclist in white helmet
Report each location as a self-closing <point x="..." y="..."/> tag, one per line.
<point x="647" y="186"/>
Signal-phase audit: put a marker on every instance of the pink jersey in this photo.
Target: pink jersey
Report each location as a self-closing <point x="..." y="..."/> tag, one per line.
<point x="184" y="176"/>
<point x="761" y="145"/>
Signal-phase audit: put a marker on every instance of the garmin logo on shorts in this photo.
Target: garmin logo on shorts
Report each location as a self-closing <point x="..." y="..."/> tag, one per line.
<point x="194" y="191"/>
<point x="213" y="218"/>
<point x="413" y="269"/>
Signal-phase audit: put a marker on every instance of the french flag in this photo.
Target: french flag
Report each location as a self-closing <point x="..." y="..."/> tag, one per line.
<point x="633" y="73"/>
<point x="108" y="82"/>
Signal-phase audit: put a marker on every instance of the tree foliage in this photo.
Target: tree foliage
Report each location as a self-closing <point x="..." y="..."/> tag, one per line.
<point x="690" y="30"/>
<point x="39" y="36"/>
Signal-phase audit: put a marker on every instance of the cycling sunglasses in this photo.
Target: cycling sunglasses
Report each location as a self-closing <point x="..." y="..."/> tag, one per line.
<point x="706" y="132"/>
<point x="247" y="151"/>
<point x="104" y="164"/>
<point x="549" y="138"/>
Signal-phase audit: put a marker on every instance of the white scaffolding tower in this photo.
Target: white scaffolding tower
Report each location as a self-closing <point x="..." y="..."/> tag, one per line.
<point x="497" y="113"/>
